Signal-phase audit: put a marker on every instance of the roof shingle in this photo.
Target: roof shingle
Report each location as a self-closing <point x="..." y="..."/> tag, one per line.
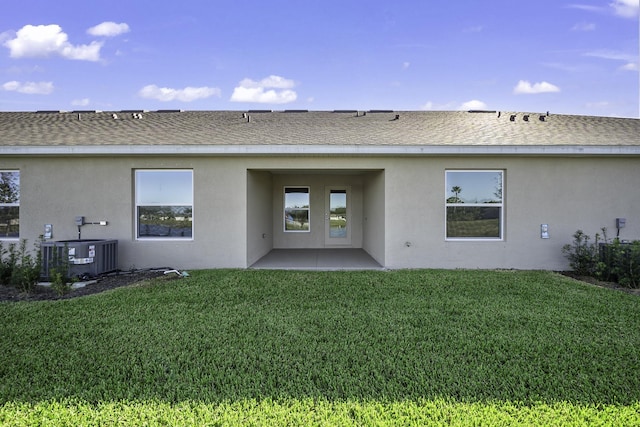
<point x="237" y="128"/>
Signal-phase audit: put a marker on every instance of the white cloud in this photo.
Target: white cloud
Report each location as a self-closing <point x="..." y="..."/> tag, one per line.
<point x="6" y="35"/>
<point x="270" y="90"/>
<point x="427" y="106"/>
<point x="626" y="8"/>
<point x="430" y="105"/>
<point x="271" y="81"/>
<point x="584" y="26"/>
<point x="598" y="105"/>
<point x="474" y="104"/>
<point x="630" y="60"/>
<point x="108" y="29"/>
<point x="80" y="102"/>
<point x="29" y="88"/>
<point x="524" y="87"/>
<point x="406" y="65"/>
<point x="187" y="94"/>
<point x="622" y="8"/>
<point x="475" y="29"/>
<point x="47" y="40"/>
<point x="588" y="8"/>
<point x="610" y="54"/>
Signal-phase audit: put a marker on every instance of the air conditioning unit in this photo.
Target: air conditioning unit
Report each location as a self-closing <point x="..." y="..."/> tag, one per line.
<point x="84" y="257"/>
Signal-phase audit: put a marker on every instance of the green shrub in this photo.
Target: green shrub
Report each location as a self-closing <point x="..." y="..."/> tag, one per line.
<point x="605" y="259"/>
<point x="19" y="267"/>
<point x="621" y="262"/>
<point x="582" y="254"/>
<point x="6" y="262"/>
<point x="59" y="270"/>
<point x="59" y="282"/>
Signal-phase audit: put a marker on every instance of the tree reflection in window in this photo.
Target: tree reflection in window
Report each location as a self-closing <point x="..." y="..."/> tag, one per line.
<point x="296" y="209"/>
<point x="9" y="204"/>
<point x="164" y="203"/>
<point x="474" y="204"/>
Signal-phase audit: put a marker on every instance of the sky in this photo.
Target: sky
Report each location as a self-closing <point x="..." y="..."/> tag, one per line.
<point x="563" y="56"/>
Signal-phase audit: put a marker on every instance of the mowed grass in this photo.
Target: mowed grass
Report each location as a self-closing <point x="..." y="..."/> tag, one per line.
<point x="414" y="347"/>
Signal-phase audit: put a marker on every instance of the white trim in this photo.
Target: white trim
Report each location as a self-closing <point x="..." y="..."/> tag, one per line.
<point x="369" y="150"/>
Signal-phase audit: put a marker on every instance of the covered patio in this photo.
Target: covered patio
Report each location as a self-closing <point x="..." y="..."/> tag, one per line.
<point x="317" y="259"/>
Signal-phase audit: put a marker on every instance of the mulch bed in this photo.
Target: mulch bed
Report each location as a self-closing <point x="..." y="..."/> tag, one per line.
<point x="600" y="283"/>
<point x="104" y="283"/>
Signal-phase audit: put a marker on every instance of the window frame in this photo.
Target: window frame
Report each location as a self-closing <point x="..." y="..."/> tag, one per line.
<point x="136" y="205"/>
<point x="12" y="204"/>
<point x="284" y="208"/>
<point x="500" y="205"/>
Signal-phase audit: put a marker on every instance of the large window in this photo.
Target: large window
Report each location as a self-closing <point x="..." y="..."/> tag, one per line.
<point x="296" y="209"/>
<point x="164" y="204"/>
<point x="474" y="204"/>
<point x="9" y="204"/>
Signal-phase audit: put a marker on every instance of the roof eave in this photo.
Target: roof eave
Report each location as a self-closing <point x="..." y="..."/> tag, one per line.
<point x="314" y="150"/>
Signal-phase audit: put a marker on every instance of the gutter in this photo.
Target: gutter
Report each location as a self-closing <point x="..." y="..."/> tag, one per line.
<point x="322" y="150"/>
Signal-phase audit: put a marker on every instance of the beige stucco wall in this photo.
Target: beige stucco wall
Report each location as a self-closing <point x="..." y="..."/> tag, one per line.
<point x="55" y="190"/>
<point x="374" y="216"/>
<point x="259" y="215"/>
<point x="401" y="212"/>
<point x="565" y="193"/>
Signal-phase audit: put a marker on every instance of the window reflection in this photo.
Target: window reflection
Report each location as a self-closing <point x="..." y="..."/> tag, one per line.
<point x="164" y="203"/>
<point x="296" y="209"/>
<point x="338" y="213"/>
<point x="474" y="204"/>
<point x="9" y="204"/>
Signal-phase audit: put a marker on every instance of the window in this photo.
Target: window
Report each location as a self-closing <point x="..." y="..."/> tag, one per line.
<point x="474" y="204"/>
<point x="164" y="204"/>
<point x="9" y="204"/>
<point x="296" y="209"/>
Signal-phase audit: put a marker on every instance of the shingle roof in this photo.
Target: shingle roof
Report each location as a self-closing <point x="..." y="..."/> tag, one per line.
<point x="347" y="128"/>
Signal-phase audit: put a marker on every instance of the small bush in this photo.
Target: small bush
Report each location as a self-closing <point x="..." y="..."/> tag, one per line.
<point x="621" y="262"/>
<point x="7" y="261"/>
<point x="604" y="259"/>
<point x="19" y="267"/>
<point x="59" y="270"/>
<point x="583" y="255"/>
<point x="59" y="282"/>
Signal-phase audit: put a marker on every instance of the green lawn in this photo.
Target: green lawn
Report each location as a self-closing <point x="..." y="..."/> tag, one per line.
<point x="230" y="347"/>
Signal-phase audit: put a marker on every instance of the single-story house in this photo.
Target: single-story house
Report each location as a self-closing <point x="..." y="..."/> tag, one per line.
<point x="218" y="189"/>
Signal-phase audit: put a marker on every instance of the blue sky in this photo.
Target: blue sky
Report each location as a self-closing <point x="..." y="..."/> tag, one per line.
<point x="568" y="57"/>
